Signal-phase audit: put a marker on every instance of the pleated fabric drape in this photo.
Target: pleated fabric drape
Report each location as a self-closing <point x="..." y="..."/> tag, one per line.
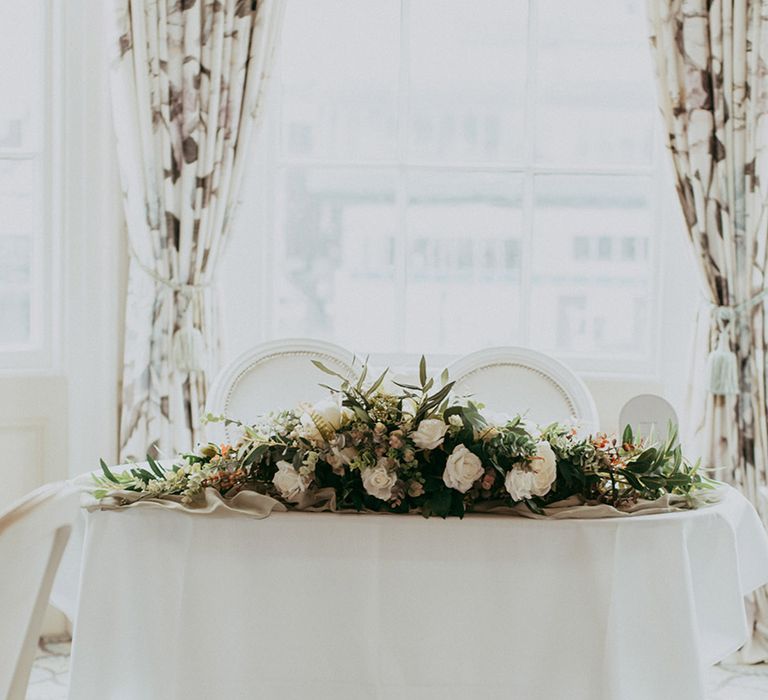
<point x="188" y="83"/>
<point x="712" y="67"/>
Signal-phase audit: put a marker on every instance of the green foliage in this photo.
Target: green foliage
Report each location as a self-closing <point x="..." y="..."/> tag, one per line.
<point x="379" y="438"/>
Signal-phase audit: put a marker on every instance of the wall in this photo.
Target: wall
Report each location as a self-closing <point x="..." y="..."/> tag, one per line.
<point x="57" y="420"/>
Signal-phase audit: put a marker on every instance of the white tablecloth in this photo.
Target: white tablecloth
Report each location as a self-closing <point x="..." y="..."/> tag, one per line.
<point x="345" y="606"/>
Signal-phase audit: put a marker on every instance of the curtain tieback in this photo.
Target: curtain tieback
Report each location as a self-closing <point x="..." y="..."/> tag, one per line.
<point x="187" y="343"/>
<point x="722" y="363"/>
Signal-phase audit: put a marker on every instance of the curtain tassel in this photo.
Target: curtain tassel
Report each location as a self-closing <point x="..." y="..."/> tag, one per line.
<point x="188" y="346"/>
<point x="722" y="364"/>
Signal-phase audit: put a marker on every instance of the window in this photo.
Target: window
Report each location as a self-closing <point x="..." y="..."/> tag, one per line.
<point x="439" y="176"/>
<point x="23" y="186"/>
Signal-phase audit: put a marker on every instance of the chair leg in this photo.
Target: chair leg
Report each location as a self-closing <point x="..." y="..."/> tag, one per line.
<point x="18" y="687"/>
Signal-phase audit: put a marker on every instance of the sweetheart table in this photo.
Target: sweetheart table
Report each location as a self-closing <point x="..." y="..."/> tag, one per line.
<point x="181" y="606"/>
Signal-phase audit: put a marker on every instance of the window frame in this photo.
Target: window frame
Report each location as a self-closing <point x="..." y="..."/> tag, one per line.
<point x="663" y="216"/>
<point x="45" y="310"/>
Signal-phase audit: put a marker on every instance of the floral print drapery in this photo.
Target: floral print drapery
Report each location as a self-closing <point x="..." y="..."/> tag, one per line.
<point x="712" y="67"/>
<point x="188" y="80"/>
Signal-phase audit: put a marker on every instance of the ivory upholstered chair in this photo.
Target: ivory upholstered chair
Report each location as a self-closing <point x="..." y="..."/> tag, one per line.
<point x="520" y="380"/>
<point x="271" y="377"/>
<point x="33" y="534"/>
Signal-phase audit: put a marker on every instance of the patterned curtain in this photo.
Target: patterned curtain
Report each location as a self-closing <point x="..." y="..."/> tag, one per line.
<point x="712" y="68"/>
<point x="188" y="82"/>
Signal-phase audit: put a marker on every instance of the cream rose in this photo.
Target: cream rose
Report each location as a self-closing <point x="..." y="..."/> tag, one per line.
<point x="379" y="481"/>
<point x="429" y="434"/>
<point x="329" y="412"/>
<point x="519" y="484"/>
<point x="538" y="479"/>
<point x="462" y="469"/>
<point x="288" y="481"/>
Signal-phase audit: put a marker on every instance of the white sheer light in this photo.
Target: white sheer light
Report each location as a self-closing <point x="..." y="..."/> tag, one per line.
<point x="22" y="195"/>
<point x="443" y="176"/>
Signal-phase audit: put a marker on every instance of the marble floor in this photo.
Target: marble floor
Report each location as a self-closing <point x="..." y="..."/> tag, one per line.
<point x="50" y="677"/>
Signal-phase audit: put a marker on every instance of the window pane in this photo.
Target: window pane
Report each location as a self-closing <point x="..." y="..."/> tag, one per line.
<point x="20" y="197"/>
<point x="15" y="259"/>
<point x="21" y="78"/>
<point x="340" y="64"/>
<point x="14" y="316"/>
<point x="467" y="79"/>
<point x="596" y="303"/>
<point x="335" y="263"/>
<point x="464" y="257"/>
<point x="594" y="83"/>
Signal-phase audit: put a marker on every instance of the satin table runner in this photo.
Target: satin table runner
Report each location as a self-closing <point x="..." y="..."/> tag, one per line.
<point x="177" y="606"/>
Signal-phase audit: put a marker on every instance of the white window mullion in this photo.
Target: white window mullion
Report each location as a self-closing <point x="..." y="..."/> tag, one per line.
<point x="528" y="177"/>
<point x="656" y="239"/>
<point x="470" y="167"/>
<point x="401" y="201"/>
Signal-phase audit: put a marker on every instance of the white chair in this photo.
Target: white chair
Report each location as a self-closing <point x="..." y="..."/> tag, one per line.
<point x="272" y="377"/>
<point x="649" y="415"/>
<point x="518" y="380"/>
<point x="33" y="534"/>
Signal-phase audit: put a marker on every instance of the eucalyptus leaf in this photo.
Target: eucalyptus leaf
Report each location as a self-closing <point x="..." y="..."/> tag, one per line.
<point x="107" y="472"/>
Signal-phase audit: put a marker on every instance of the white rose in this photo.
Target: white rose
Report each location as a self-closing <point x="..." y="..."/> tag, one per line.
<point x="462" y="469"/>
<point x="308" y="429"/>
<point x="544" y="469"/>
<point x="329" y="412"/>
<point x="378" y="481"/>
<point x="429" y="434"/>
<point x="288" y="481"/>
<point x="538" y="479"/>
<point x="332" y="412"/>
<point x="519" y="484"/>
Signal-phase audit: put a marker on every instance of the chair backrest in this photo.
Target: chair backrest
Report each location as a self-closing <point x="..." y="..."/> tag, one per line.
<point x="649" y="415"/>
<point x="518" y="380"/>
<point x="33" y="534"/>
<point x="272" y="377"/>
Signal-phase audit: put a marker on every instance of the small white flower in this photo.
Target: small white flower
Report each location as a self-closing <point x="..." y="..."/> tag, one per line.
<point x="288" y="481"/>
<point x="429" y="434"/>
<point x="462" y="469"/>
<point x="456" y="421"/>
<point x="156" y="487"/>
<point x="379" y="481"/>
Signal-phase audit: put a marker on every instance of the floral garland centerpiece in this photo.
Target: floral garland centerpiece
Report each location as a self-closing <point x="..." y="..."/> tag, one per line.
<point x="417" y="448"/>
